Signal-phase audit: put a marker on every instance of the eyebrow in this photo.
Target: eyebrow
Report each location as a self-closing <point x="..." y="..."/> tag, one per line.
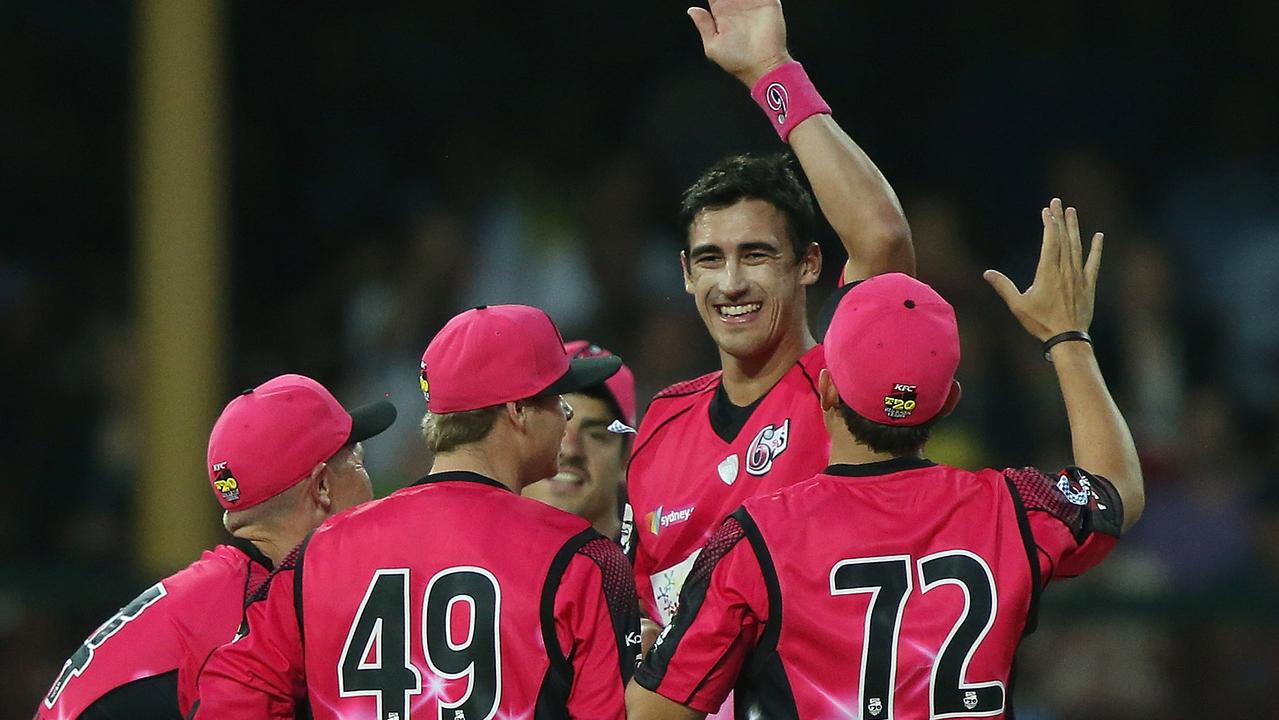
<point x="749" y="246"/>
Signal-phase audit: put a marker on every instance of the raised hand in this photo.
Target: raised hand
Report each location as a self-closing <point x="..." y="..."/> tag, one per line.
<point x="746" y="38"/>
<point x="1062" y="294"/>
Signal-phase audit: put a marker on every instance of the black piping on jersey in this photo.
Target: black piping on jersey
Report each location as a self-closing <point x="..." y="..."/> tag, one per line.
<point x="552" y="697"/>
<point x="297" y="589"/>
<point x="883" y="467"/>
<point x="1032" y="554"/>
<point x="460" y="476"/>
<point x="154" y="697"/>
<point x="763" y="680"/>
<point x="248" y="548"/>
<point x="691" y="597"/>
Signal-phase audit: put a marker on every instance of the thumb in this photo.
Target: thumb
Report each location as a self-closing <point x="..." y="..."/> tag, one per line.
<point x="705" y="23"/>
<point x="1004" y="287"/>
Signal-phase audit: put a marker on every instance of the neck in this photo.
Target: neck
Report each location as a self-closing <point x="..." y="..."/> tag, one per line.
<point x="845" y="450"/>
<point x="746" y="379"/>
<point x="609" y="526"/>
<point x="475" y="458"/>
<point x="273" y="544"/>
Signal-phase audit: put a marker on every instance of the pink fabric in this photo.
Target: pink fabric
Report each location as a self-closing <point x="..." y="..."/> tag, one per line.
<point x="892" y="350"/>
<point x="788" y="97"/>
<point x="269" y="438"/>
<point x="491" y="355"/>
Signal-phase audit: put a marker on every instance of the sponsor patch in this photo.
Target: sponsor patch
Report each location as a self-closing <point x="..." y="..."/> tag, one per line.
<point x="660" y="519"/>
<point x="767" y="446"/>
<point x="901" y="402"/>
<point x="225" y="483"/>
<point x="667" y="585"/>
<point x="1075" y="486"/>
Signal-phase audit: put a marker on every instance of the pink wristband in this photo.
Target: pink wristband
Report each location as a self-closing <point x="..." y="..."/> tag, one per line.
<point x="788" y="97"/>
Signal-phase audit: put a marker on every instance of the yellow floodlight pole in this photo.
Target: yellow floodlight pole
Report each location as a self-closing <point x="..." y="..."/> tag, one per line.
<point x="180" y="261"/>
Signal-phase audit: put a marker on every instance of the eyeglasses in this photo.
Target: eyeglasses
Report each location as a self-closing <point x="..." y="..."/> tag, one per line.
<point x="566" y="408"/>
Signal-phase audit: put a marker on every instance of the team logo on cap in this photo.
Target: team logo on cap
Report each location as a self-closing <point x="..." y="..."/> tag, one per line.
<point x="426" y="386"/>
<point x="225" y="483"/>
<point x="770" y="443"/>
<point x="900" y="403"/>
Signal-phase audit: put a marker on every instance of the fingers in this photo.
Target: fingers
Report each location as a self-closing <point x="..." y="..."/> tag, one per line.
<point x="1093" y="266"/>
<point x="705" y="23"/>
<point x="1004" y="287"/>
<point x="1073" y="246"/>
<point x="1049" y="249"/>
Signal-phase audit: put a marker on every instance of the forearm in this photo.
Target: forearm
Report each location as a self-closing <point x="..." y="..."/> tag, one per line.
<point x="1099" y="434"/>
<point x="856" y="199"/>
<point x="644" y="704"/>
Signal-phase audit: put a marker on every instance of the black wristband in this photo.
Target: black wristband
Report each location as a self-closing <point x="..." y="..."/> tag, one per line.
<point x="1067" y="336"/>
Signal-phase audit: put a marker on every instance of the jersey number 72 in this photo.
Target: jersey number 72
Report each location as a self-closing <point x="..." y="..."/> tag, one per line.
<point x="889" y="581"/>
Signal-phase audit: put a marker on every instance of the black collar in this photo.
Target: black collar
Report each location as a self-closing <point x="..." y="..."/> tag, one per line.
<point x="883" y="467"/>
<point x="460" y="476"/>
<point x="248" y="548"/>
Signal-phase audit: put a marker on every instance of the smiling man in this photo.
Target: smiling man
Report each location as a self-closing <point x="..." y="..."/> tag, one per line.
<point x="593" y="452"/>
<point x="755" y="425"/>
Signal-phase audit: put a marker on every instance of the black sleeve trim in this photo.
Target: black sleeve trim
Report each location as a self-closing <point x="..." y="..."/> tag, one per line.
<point x="691" y="597"/>
<point x="552" y="697"/>
<point x="772" y="629"/>
<point x="149" y="698"/>
<point x="1032" y="555"/>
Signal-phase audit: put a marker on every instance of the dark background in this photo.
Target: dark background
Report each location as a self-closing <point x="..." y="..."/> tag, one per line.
<point x="390" y="164"/>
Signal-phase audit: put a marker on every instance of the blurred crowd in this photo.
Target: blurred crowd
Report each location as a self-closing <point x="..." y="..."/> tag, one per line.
<point x="393" y="164"/>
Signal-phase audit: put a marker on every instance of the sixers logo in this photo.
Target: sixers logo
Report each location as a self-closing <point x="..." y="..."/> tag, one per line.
<point x="767" y="446"/>
<point x="778" y="100"/>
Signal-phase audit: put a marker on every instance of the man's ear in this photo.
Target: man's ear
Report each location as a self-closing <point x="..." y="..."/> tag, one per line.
<point x="516" y="414"/>
<point x="319" y="487"/>
<point x="826" y="391"/>
<point x="688" y="277"/>
<point x="952" y="399"/>
<point x="810" y="264"/>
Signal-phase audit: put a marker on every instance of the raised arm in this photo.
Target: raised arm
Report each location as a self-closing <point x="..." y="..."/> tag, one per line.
<point x="747" y="38"/>
<point x="1060" y="300"/>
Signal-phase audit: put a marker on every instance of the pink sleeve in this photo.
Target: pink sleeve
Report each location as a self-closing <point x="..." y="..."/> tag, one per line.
<point x="259" y="675"/>
<point x="597" y="624"/>
<point x="723" y="608"/>
<point x="1074" y="516"/>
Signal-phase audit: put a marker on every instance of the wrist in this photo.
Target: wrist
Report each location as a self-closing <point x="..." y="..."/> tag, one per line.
<point x="751" y="75"/>
<point x="787" y="97"/>
<point x="1065" y="344"/>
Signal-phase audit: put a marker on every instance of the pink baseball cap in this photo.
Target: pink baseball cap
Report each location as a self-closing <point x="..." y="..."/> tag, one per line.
<point x="269" y="438"/>
<point x="621" y="386"/>
<point x="892" y="350"/>
<point x="495" y="354"/>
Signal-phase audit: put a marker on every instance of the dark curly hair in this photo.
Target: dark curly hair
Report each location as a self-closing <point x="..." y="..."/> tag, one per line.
<point x="771" y="178"/>
<point x="897" y="440"/>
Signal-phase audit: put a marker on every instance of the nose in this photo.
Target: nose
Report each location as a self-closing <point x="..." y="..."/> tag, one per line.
<point x="570" y="445"/>
<point x="732" y="281"/>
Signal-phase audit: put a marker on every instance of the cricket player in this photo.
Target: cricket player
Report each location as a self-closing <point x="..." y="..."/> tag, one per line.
<point x="455" y="597"/>
<point x="283" y="457"/>
<point x="755" y="425"/>
<point x="888" y="586"/>
<point x="595" y="448"/>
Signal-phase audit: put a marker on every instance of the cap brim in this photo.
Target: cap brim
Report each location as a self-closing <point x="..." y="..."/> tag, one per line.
<point x="369" y="420"/>
<point x="584" y="373"/>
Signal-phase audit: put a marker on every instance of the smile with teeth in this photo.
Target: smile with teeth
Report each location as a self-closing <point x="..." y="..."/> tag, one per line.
<point x="739" y="310"/>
